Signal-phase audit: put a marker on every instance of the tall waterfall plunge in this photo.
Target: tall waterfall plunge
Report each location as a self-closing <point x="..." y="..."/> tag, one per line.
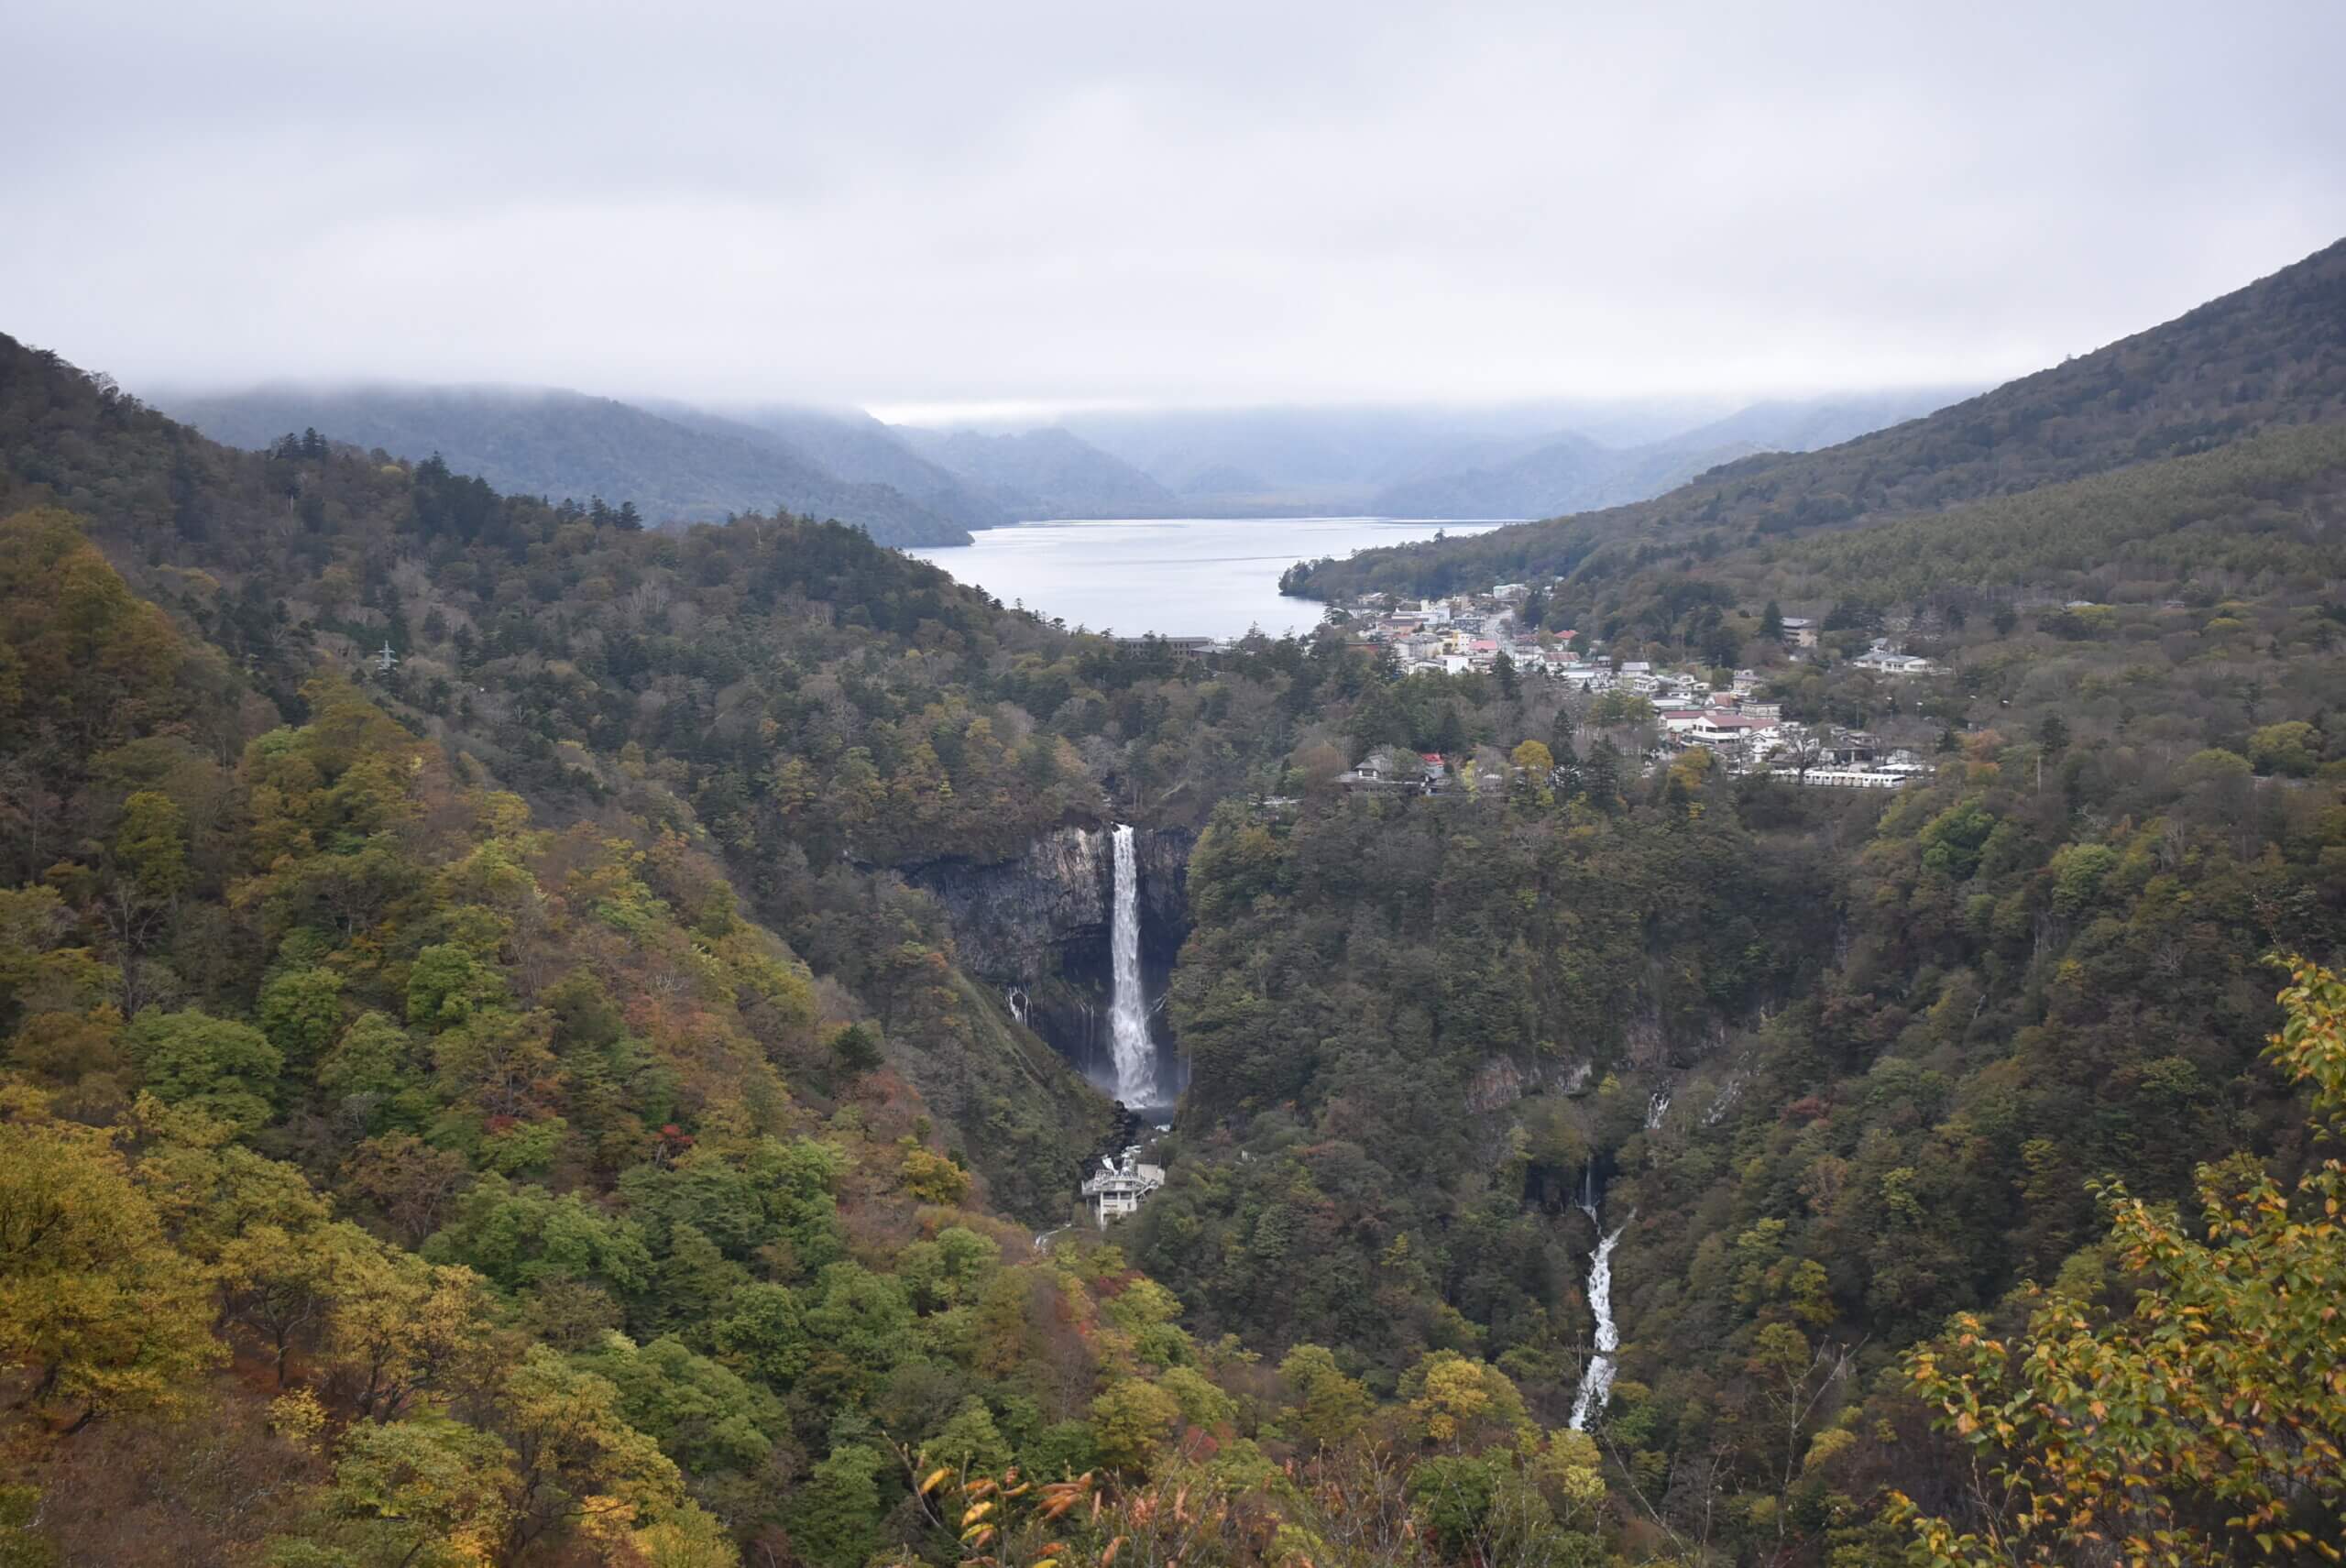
<point x="1128" y="1012"/>
<point x="1596" y="1383"/>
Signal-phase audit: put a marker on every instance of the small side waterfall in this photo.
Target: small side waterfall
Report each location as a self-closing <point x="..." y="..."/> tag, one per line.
<point x="1657" y="1108"/>
<point x="1596" y="1383"/>
<point x="1128" y="1016"/>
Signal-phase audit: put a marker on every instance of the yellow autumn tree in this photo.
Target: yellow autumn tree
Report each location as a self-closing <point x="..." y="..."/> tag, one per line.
<point x="1329" y="1406"/>
<point x="1458" y="1403"/>
<point x="426" y="1493"/>
<point x="95" y="1302"/>
<point x="403" y="1328"/>
<point x="2207" y="1425"/>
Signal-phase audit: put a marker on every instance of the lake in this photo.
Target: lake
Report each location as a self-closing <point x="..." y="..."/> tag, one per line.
<point x="1183" y="577"/>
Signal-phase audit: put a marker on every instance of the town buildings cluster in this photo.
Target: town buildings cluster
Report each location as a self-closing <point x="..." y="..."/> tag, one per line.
<point x="1741" y="725"/>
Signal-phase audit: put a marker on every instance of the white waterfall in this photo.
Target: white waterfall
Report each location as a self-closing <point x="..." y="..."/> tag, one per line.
<point x="1596" y="1383"/>
<point x="1657" y="1108"/>
<point x="1128" y="1015"/>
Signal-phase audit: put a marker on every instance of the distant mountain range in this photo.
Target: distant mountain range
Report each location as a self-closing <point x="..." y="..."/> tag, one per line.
<point x="1513" y="461"/>
<point x="1324" y="456"/>
<point x="907" y="486"/>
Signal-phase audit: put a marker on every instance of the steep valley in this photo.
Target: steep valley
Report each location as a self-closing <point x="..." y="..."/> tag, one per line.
<point x="533" y="1041"/>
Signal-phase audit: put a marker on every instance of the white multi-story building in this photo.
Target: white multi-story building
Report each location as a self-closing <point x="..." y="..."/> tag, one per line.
<point x="1121" y="1187"/>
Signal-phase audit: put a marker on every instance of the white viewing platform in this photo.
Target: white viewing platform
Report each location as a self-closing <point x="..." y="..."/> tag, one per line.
<point x="1121" y="1186"/>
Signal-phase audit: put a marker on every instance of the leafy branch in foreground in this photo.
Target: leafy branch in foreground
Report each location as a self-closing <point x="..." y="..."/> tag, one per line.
<point x="2207" y="1425"/>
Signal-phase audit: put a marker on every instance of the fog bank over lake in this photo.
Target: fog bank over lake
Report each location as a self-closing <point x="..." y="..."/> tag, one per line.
<point x="1174" y="576"/>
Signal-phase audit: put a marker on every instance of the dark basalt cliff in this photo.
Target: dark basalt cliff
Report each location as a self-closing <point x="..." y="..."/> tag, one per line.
<point x="1037" y="929"/>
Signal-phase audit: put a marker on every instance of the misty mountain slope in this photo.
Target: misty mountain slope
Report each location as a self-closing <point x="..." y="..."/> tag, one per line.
<point x="1570" y="473"/>
<point x="563" y="444"/>
<point x="1511" y="460"/>
<point x="1222" y="480"/>
<point x="851" y="445"/>
<point x="1648" y="471"/>
<point x="2268" y="355"/>
<point x="1573" y="473"/>
<point x="1528" y="484"/>
<point x="1043" y="473"/>
<point x="1334" y="451"/>
<point x="1806" y="424"/>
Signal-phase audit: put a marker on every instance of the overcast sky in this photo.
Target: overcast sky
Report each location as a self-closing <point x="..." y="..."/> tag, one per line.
<point x="908" y="205"/>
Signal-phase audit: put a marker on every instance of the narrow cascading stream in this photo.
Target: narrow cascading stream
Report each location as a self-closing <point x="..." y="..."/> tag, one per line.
<point x="1596" y="1383"/>
<point x="1128" y="1012"/>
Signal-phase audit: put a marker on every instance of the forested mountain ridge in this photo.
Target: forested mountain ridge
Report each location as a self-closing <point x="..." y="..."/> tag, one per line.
<point x="399" y="1180"/>
<point x="285" y="560"/>
<point x="560" y="444"/>
<point x="2271" y="354"/>
<point x="2166" y="543"/>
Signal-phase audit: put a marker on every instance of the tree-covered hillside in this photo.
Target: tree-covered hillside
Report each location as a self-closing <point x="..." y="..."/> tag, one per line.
<point x="857" y="449"/>
<point x="294" y="558"/>
<point x="543" y="442"/>
<point x="395" y="1175"/>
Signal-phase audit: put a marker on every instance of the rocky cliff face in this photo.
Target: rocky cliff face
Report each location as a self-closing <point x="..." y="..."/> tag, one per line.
<point x="1011" y="919"/>
<point x="1036" y="928"/>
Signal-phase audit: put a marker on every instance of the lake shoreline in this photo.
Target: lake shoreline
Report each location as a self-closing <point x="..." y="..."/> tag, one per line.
<point x="1194" y="576"/>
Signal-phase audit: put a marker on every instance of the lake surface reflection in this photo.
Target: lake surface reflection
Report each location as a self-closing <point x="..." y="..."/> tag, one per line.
<point x="1176" y="577"/>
